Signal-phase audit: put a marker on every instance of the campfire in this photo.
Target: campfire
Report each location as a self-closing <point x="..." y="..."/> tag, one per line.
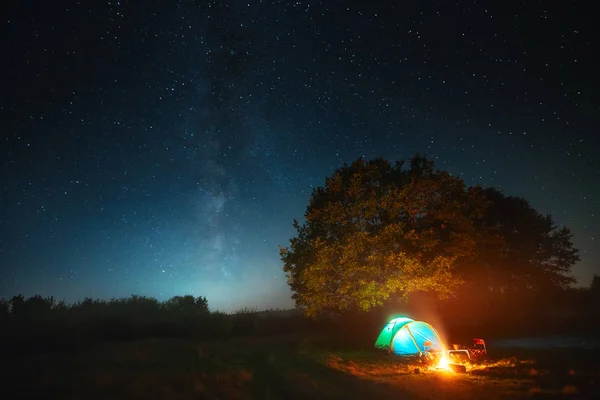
<point x="444" y="364"/>
<point x="458" y="352"/>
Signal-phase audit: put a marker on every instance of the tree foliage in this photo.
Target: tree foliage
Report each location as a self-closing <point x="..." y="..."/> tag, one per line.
<point x="533" y="252"/>
<point x="595" y="286"/>
<point x="187" y="304"/>
<point x="378" y="230"/>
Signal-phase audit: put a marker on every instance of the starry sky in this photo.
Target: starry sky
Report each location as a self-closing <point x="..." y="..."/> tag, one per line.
<point x="163" y="148"/>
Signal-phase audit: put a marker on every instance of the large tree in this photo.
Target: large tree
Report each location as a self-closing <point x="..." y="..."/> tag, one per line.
<point x="378" y="230"/>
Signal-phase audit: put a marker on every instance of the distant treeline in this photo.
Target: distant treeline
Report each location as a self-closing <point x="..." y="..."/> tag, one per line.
<point x="42" y="324"/>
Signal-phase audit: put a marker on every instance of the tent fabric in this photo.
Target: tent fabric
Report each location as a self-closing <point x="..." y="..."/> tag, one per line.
<point x="405" y="336"/>
<point x="389" y="331"/>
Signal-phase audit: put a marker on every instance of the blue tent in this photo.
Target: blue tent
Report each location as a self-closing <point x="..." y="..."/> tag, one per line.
<point x="404" y="336"/>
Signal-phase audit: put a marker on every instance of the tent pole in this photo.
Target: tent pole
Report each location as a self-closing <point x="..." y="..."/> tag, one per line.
<point x="413" y="339"/>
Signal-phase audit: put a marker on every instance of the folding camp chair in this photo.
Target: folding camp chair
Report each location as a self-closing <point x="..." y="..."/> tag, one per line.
<point x="427" y="346"/>
<point x="478" y="349"/>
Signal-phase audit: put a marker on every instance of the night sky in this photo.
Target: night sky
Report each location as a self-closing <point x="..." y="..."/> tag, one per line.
<point x="163" y="148"/>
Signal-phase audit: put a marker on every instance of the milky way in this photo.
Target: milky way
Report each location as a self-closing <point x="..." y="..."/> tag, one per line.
<point x="164" y="148"/>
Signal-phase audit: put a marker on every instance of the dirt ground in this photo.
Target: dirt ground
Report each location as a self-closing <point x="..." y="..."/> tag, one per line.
<point x="290" y="367"/>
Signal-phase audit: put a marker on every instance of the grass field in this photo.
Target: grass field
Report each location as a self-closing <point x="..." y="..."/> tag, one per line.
<point x="288" y="367"/>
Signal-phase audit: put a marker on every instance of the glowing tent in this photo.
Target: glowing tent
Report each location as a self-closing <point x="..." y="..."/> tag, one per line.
<point x="404" y="336"/>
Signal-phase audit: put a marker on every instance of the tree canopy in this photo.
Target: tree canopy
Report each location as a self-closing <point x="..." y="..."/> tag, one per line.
<point x="378" y="230"/>
<point x="533" y="254"/>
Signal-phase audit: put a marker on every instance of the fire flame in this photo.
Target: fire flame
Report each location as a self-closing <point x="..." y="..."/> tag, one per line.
<point x="443" y="363"/>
